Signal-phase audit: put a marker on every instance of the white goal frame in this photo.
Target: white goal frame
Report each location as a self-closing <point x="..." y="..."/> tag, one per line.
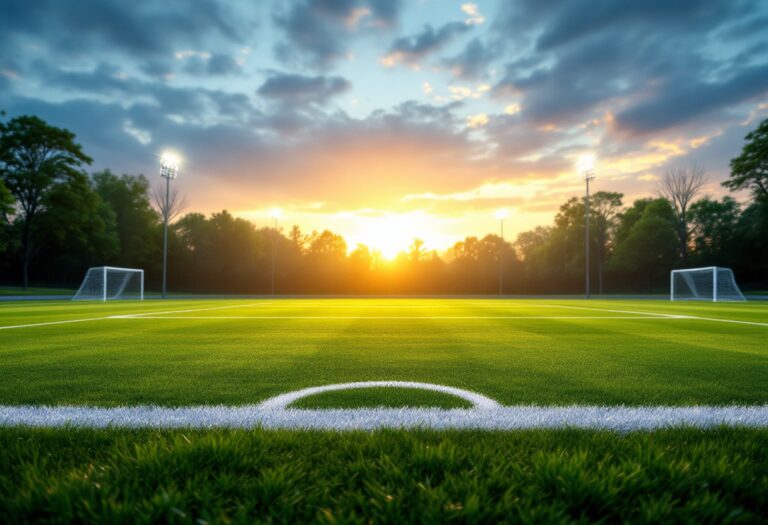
<point x="105" y="272"/>
<point x="714" y="270"/>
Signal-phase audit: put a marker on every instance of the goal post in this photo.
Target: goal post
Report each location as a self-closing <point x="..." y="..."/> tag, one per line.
<point x="109" y="283"/>
<point x="711" y="283"/>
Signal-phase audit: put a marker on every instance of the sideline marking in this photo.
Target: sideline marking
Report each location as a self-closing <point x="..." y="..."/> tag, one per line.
<point x="616" y="418"/>
<point x="414" y="317"/>
<point x="486" y="414"/>
<point x="673" y="316"/>
<point x="53" y="322"/>
<point x="126" y="316"/>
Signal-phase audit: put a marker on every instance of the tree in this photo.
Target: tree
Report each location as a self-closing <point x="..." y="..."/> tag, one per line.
<point x="649" y="249"/>
<point x="171" y="208"/>
<point x="604" y="208"/>
<point x="713" y="225"/>
<point x="34" y="158"/>
<point x="75" y="230"/>
<point x="6" y="209"/>
<point x="680" y="187"/>
<point x="137" y="222"/>
<point x="750" y="169"/>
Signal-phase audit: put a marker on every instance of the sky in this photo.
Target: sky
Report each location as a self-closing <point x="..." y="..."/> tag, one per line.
<point x="386" y="120"/>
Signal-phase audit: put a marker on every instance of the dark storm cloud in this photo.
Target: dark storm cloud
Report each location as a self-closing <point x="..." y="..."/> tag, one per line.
<point x="413" y="48"/>
<point x="301" y="89"/>
<point x="667" y="62"/>
<point x="317" y="32"/>
<point x="142" y="28"/>
<point x="689" y="101"/>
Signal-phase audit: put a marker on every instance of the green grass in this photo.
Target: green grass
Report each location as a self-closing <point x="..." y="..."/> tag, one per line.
<point x="675" y="476"/>
<point x="379" y="397"/>
<point x="293" y="344"/>
<point x="274" y="346"/>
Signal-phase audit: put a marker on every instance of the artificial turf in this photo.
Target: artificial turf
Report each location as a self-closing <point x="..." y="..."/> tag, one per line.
<point x="671" y="476"/>
<point x="550" y="352"/>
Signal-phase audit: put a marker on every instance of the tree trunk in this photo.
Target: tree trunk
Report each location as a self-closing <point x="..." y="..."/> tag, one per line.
<point x="26" y="253"/>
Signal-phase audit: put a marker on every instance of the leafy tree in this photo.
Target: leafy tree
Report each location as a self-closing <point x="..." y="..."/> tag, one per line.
<point x="714" y="227"/>
<point x="750" y="169"/>
<point x="137" y="222"/>
<point x="604" y="208"/>
<point x="34" y="158"/>
<point x="649" y="250"/>
<point x="76" y="229"/>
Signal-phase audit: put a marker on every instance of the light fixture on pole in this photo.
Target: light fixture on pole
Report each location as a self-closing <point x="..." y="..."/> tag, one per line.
<point x="276" y="214"/>
<point x="501" y="215"/>
<point x="587" y="168"/>
<point x="169" y="169"/>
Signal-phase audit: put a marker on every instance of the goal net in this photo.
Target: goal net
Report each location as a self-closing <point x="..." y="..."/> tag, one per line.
<point x="106" y="283"/>
<point x="704" y="284"/>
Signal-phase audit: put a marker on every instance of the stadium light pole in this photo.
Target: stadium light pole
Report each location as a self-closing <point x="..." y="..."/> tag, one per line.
<point x="501" y="215"/>
<point x="587" y="168"/>
<point x="169" y="169"/>
<point x="276" y="214"/>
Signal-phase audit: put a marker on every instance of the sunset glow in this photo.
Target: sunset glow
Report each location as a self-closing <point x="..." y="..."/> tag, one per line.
<point x="389" y="124"/>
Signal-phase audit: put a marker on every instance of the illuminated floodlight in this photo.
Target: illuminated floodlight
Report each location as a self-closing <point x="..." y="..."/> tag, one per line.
<point x="586" y="163"/>
<point x="276" y="213"/>
<point x="502" y="214"/>
<point x="169" y="165"/>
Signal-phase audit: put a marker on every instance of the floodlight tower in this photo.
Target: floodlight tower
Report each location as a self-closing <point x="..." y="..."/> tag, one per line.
<point x="587" y="168"/>
<point x="169" y="169"/>
<point x="276" y="214"/>
<point x="501" y="215"/>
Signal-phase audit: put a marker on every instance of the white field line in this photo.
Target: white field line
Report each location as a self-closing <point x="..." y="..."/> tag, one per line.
<point x="283" y="401"/>
<point x="673" y="316"/>
<point x="189" y="310"/>
<point x="126" y="316"/>
<point x="412" y="317"/>
<point x="617" y="418"/>
<point x="53" y="323"/>
<point x="485" y="414"/>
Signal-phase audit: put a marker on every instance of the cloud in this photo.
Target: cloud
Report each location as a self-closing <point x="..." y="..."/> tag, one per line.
<point x="411" y="49"/>
<point x="477" y="121"/>
<point x="473" y="61"/>
<point x="216" y="64"/>
<point x="317" y="33"/>
<point x="473" y="13"/>
<point x="301" y="89"/>
<point x="141" y="28"/>
<point x="683" y="103"/>
<point x="656" y="64"/>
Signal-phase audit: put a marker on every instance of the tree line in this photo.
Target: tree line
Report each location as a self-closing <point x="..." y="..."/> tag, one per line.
<point x="56" y="220"/>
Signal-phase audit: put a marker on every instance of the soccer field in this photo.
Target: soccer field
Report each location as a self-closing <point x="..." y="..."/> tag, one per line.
<point x="236" y="352"/>
<point x="515" y="354"/>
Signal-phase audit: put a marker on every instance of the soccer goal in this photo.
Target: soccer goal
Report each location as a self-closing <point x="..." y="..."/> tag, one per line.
<point x="107" y="283"/>
<point x="704" y="284"/>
